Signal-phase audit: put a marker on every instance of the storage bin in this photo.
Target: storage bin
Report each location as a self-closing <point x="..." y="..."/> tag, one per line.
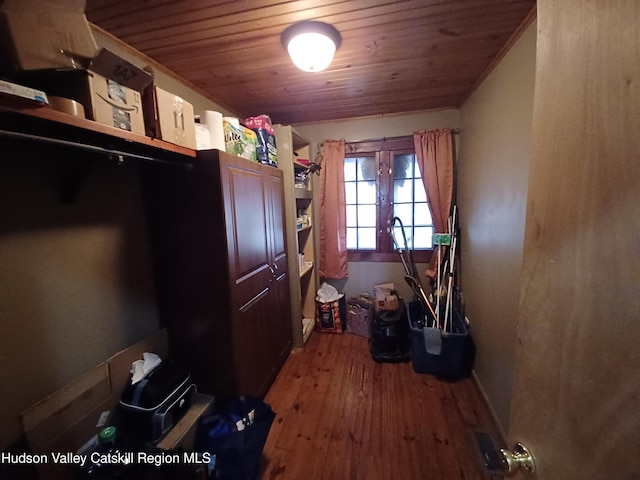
<point x="458" y="350"/>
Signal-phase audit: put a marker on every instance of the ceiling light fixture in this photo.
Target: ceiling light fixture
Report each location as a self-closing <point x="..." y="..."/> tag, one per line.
<point x="311" y="44"/>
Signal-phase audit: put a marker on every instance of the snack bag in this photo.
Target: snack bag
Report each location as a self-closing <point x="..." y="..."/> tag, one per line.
<point x="266" y="147"/>
<point x="251" y="144"/>
<point x="233" y="134"/>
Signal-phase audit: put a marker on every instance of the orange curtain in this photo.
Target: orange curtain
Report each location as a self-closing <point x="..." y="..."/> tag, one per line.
<point x="333" y="214"/>
<point x="434" y="153"/>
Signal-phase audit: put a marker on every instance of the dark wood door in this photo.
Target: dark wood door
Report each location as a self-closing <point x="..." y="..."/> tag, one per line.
<point x="246" y="206"/>
<point x="280" y="319"/>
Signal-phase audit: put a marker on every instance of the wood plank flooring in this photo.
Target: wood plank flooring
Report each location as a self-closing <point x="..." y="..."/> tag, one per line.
<point x="340" y="415"/>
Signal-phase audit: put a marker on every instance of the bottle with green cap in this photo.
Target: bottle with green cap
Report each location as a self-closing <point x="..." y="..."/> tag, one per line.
<point x="107" y="437"/>
<point x="106" y="461"/>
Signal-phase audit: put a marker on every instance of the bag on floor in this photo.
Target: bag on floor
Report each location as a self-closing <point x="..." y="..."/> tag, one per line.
<point x="331" y="316"/>
<point x="236" y="436"/>
<point x="359" y="316"/>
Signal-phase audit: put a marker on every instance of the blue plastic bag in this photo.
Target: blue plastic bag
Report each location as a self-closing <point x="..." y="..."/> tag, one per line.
<point x="236" y="436"/>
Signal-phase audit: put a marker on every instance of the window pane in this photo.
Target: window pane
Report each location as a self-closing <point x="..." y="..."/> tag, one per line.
<point x="366" y="216"/>
<point x="350" y="192"/>
<point x="349" y="169"/>
<point x="423" y="237"/>
<point x="352" y="217"/>
<point x="402" y="192"/>
<point x="403" y="166"/>
<point x="405" y="212"/>
<point x="421" y="193"/>
<point x="367" y="192"/>
<point x="352" y="238"/>
<point x="400" y="238"/>
<point x="422" y="214"/>
<point x="367" y="169"/>
<point x="367" y="238"/>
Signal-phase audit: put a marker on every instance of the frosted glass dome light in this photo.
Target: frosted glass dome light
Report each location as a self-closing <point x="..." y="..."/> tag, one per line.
<point x="311" y="45"/>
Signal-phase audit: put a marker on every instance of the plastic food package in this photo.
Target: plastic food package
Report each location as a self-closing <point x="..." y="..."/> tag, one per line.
<point x="331" y="311"/>
<point x="266" y="137"/>
<point x="239" y="140"/>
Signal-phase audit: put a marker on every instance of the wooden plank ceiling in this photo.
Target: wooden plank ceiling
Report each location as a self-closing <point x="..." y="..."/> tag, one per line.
<point x="395" y="57"/>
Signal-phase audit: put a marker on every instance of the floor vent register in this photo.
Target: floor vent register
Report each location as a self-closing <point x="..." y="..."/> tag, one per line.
<point x="489" y="456"/>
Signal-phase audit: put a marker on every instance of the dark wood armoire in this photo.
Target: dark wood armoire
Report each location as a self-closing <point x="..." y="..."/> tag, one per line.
<point x="219" y="249"/>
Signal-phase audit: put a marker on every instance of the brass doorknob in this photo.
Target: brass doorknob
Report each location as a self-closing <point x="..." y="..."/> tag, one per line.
<point x="518" y="460"/>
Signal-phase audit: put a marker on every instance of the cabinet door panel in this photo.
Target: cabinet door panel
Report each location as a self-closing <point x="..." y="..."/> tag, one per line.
<point x="280" y="321"/>
<point x="281" y="325"/>
<point x="247" y="228"/>
<point x="278" y="233"/>
<point x="255" y="369"/>
<point x="245" y="208"/>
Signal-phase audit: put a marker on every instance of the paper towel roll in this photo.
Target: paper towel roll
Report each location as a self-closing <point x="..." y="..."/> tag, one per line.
<point x="213" y="121"/>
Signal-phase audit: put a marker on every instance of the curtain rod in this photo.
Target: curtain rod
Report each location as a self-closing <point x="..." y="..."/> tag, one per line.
<point x="454" y="131"/>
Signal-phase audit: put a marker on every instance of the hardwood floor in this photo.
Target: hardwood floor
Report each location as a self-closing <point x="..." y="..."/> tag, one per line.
<point x="340" y="415"/>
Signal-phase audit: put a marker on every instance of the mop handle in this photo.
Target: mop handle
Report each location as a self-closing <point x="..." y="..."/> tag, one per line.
<point x="438" y="285"/>
<point x="449" y="296"/>
<point x="452" y="258"/>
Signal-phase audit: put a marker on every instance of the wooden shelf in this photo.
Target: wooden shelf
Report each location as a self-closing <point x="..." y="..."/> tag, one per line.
<point x="302" y="194"/>
<point x="306" y="270"/>
<point x="298" y="141"/>
<point x="299" y="166"/>
<point x="43" y="123"/>
<point x="307" y="330"/>
<point x="304" y="228"/>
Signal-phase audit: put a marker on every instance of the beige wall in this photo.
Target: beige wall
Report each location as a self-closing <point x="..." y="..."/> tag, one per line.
<point x="493" y="166"/>
<point x="75" y="278"/>
<point x="363" y="275"/>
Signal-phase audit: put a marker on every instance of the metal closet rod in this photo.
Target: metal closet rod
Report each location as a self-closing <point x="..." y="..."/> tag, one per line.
<point x="118" y="155"/>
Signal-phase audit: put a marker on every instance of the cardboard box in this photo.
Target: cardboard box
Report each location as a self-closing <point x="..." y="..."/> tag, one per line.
<point x="115" y="87"/>
<point x="110" y="91"/>
<point x="115" y="105"/>
<point x="169" y="117"/>
<point x="42" y="34"/>
<point x="386" y="296"/>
